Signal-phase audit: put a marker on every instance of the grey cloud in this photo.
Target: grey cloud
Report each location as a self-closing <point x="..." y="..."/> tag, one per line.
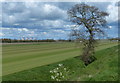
<point x="21" y="13"/>
<point x="117" y="3"/>
<point x="13" y="7"/>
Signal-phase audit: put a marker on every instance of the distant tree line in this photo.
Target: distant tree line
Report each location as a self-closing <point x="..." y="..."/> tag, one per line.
<point x="114" y="39"/>
<point x="6" y="40"/>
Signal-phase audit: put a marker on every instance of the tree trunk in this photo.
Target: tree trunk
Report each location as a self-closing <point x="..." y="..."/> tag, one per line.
<point x="87" y="56"/>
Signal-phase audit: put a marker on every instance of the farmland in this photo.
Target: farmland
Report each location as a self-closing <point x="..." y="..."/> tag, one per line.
<point x="22" y="57"/>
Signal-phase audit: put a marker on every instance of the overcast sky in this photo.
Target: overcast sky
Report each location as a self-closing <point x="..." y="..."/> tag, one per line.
<point x="46" y="20"/>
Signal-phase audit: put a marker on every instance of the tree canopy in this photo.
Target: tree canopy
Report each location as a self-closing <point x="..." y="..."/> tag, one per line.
<point x="93" y="20"/>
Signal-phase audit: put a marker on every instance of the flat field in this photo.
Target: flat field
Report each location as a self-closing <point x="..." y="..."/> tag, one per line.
<point x="19" y="57"/>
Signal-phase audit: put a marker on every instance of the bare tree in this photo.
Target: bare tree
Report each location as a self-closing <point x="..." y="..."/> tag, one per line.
<point x="93" y="21"/>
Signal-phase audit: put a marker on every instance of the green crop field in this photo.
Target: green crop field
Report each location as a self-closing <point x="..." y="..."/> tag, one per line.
<point x="22" y="57"/>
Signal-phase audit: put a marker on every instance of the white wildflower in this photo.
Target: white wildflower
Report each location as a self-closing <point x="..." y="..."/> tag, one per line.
<point x="55" y="71"/>
<point x="60" y="64"/>
<point x="52" y="77"/>
<point x="64" y="68"/>
<point x="50" y="71"/>
<point x="57" y="80"/>
<point x="57" y="74"/>
<point x="90" y="76"/>
<point x="60" y="73"/>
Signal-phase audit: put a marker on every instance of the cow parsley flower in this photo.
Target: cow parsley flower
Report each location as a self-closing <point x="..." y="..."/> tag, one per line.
<point x="60" y="73"/>
<point x="52" y="77"/>
<point x="64" y="68"/>
<point x="50" y="71"/>
<point x="60" y="64"/>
